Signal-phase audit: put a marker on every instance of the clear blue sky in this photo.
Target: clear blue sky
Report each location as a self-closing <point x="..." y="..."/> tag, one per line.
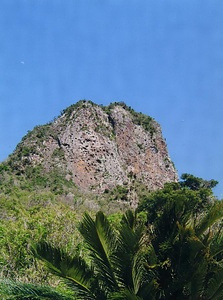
<point x="162" y="57"/>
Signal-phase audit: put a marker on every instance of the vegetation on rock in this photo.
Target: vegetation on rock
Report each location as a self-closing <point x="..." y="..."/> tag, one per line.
<point x="90" y="148"/>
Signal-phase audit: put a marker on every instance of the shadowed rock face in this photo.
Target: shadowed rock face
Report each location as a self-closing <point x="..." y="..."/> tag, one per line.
<point x="99" y="148"/>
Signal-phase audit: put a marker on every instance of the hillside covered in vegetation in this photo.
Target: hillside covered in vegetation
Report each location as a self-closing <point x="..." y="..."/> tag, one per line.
<point x="91" y="149"/>
<point x="91" y="207"/>
<point x="170" y="248"/>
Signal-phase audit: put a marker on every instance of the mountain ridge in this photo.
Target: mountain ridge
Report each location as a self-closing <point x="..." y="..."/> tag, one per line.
<point x="96" y="148"/>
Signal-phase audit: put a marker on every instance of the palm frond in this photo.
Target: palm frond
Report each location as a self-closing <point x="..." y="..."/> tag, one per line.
<point x="150" y="289"/>
<point x="73" y="269"/>
<point x="197" y="280"/>
<point x="214" y="214"/>
<point x="214" y="289"/>
<point x="129" y="255"/>
<point x="125" y="294"/>
<point x="100" y="238"/>
<point x="216" y="246"/>
<point x="129" y="219"/>
<point x="24" y="291"/>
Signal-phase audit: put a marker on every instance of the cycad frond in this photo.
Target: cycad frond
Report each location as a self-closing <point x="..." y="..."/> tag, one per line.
<point x="101" y="241"/>
<point x="125" y="294"/>
<point x="130" y="258"/>
<point x="216" y="246"/>
<point x="214" y="214"/>
<point x="214" y="288"/>
<point x="197" y="280"/>
<point x="24" y="291"/>
<point x="129" y="219"/>
<point x="74" y="269"/>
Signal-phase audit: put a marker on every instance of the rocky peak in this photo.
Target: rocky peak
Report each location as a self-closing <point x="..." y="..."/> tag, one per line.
<point x="98" y="148"/>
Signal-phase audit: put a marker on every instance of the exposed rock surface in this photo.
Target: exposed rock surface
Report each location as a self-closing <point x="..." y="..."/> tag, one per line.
<point x="99" y="148"/>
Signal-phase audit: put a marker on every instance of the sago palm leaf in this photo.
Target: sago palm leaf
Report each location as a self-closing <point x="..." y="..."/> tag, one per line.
<point x="23" y="291"/>
<point x="214" y="214"/>
<point x="214" y="289"/>
<point x="129" y="255"/>
<point x="74" y="269"/>
<point x="129" y="219"/>
<point x="197" y="280"/>
<point x="101" y="241"/>
<point x="125" y="294"/>
<point x="216" y="246"/>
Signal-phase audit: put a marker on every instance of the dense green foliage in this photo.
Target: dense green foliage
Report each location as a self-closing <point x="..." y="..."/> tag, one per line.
<point x="186" y="248"/>
<point x="23" y="291"/>
<point x="171" y="249"/>
<point x="114" y="265"/>
<point x="26" y="219"/>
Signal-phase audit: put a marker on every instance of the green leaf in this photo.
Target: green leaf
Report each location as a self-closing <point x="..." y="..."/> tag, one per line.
<point x="24" y="291"/>
<point x="101" y="241"/>
<point x="74" y="269"/>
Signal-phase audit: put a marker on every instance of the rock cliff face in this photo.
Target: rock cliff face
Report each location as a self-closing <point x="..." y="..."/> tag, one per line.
<point x="99" y="148"/>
